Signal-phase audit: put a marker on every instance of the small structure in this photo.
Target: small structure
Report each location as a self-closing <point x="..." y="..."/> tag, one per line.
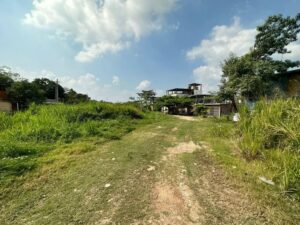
<point x="219" y="109"/>
<point x="290" y="82"/>
<point x="194" y="91"/>
<point x="5" y="105"/>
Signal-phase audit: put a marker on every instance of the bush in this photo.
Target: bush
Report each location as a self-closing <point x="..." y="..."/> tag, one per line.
<point x="274" y="124"/>
<point x="23" y="134"/>
<point x="200" y="110"/>
<point x="272" y="132"/>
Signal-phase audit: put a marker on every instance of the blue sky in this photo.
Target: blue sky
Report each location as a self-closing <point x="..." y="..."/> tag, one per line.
<point x="112" y="49"/>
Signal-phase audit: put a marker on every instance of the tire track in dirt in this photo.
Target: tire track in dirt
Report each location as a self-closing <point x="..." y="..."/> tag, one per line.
<point x="212" y="199"/>
<point x="175" y="202"/>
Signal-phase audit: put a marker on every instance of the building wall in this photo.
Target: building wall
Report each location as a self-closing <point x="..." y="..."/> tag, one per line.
<point x="293" y="87"/>
<point x="214" y="110"/>
<point x="218" y="110"/>
<point x="5" y="106"/>
<point x="178" y="95"/>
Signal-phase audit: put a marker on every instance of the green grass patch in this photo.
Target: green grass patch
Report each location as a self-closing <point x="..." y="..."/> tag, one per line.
<point x="25" y="136"/>
<point x="271" y="133"/>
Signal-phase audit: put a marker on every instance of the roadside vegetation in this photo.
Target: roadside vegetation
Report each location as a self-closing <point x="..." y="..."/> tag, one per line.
<point x="25" y="136"/>
<point x="271" y="133"/>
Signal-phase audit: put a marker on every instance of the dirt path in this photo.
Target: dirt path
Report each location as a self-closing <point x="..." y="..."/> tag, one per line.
<point x="188" y="118"/>
<point x="163" y="174"/>
<point x="208" y="199"/>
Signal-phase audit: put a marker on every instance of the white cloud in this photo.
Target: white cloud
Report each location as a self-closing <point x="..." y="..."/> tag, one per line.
<point x="143" y="85"/>
<point x="294" y="48"/>
<point x="86" y="84"/>
<point x="223" y="41"/>
<point x="101" y="26"/>
<point x="209" y="76"/>
<point x="116" y="80"/>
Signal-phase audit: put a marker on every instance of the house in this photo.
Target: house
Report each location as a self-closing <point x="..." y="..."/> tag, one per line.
<point x="290" y="82"/>
<point x="5" y="105"/>
<point x="193" y="89"/>
<point x="195" y="92"/>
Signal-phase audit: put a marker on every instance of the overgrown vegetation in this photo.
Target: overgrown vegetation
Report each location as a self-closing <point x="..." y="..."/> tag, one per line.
<point x="200" y="110"/>
<point x="173" y="103"/>
<point x="27" y="135"/>
<point x="254" y="74"/>
<point x="23" y="92"/>
<point x="271" y="132"/>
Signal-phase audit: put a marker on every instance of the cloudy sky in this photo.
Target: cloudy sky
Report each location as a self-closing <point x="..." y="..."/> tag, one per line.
<point x="111" y="49"/>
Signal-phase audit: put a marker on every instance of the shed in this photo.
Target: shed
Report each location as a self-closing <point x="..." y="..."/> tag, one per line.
<point x="219" y="109"/>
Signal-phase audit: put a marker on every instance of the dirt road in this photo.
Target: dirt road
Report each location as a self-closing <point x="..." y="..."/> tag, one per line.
<point x="163" y="173"/>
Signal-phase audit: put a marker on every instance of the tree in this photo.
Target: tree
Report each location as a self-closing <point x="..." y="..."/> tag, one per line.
<point x="275" y="34"/>
<point x="254" y="74"/>
<point x="146" y="98"/>
<point x="7" y="78"/>
<point x="49" y="88"/>
<point x="72" y="97"/>
<point x="24" y="93"/>
<point x="173" y="102"/>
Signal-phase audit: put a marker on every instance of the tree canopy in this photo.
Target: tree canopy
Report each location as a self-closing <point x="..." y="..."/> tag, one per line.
<point x="254" y="74"/>
<point x="170" y="101"/>
<point x="24" y="92"/>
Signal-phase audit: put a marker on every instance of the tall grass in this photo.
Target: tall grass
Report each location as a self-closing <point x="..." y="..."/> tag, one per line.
<point x="27" y="135"/>
<point x="271" y="132"/>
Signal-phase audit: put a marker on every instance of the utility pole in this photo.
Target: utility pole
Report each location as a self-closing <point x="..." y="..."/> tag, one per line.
<point x="56" y="92"/>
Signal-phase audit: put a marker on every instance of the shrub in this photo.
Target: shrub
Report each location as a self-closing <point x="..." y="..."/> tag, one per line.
<point x="274" y="124"/>
<point x="272" y="132"/>
<point x="200" y="110"/>
<point x="23" y="134"/>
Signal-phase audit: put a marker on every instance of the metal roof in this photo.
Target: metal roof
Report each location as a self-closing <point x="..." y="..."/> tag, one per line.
<point x="291" y="72"/>
<point x="179" y="89"/>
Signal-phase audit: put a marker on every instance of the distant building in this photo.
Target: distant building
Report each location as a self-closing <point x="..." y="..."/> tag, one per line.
<point x="193" y="89"/>
<point x="195" y="92"/>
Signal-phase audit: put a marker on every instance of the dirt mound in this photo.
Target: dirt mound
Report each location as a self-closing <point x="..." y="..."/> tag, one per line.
<point x="184" y="147"/>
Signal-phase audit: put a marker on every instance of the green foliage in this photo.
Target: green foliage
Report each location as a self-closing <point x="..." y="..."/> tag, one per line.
<point x="146" y="99"/>
<point x="72" y="97"/>
<point x="275" y="34"/>
<point x="7" y="78"/>
<point x="24" y="93"/>
<point x="173" y="102"/>
<point x="200" y="110"/>
<point x="27" y="135"/>
<point x="254" y="74"/>
<point x="49" y="87"/>
<point x="274" y="127"/>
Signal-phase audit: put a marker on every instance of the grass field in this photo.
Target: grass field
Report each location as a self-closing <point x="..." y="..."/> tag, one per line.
<point x="28" y="135"/>
<point x="167" y="171"/>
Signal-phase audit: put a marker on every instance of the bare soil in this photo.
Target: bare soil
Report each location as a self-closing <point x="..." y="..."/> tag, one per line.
<point x="210" y="199"/>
